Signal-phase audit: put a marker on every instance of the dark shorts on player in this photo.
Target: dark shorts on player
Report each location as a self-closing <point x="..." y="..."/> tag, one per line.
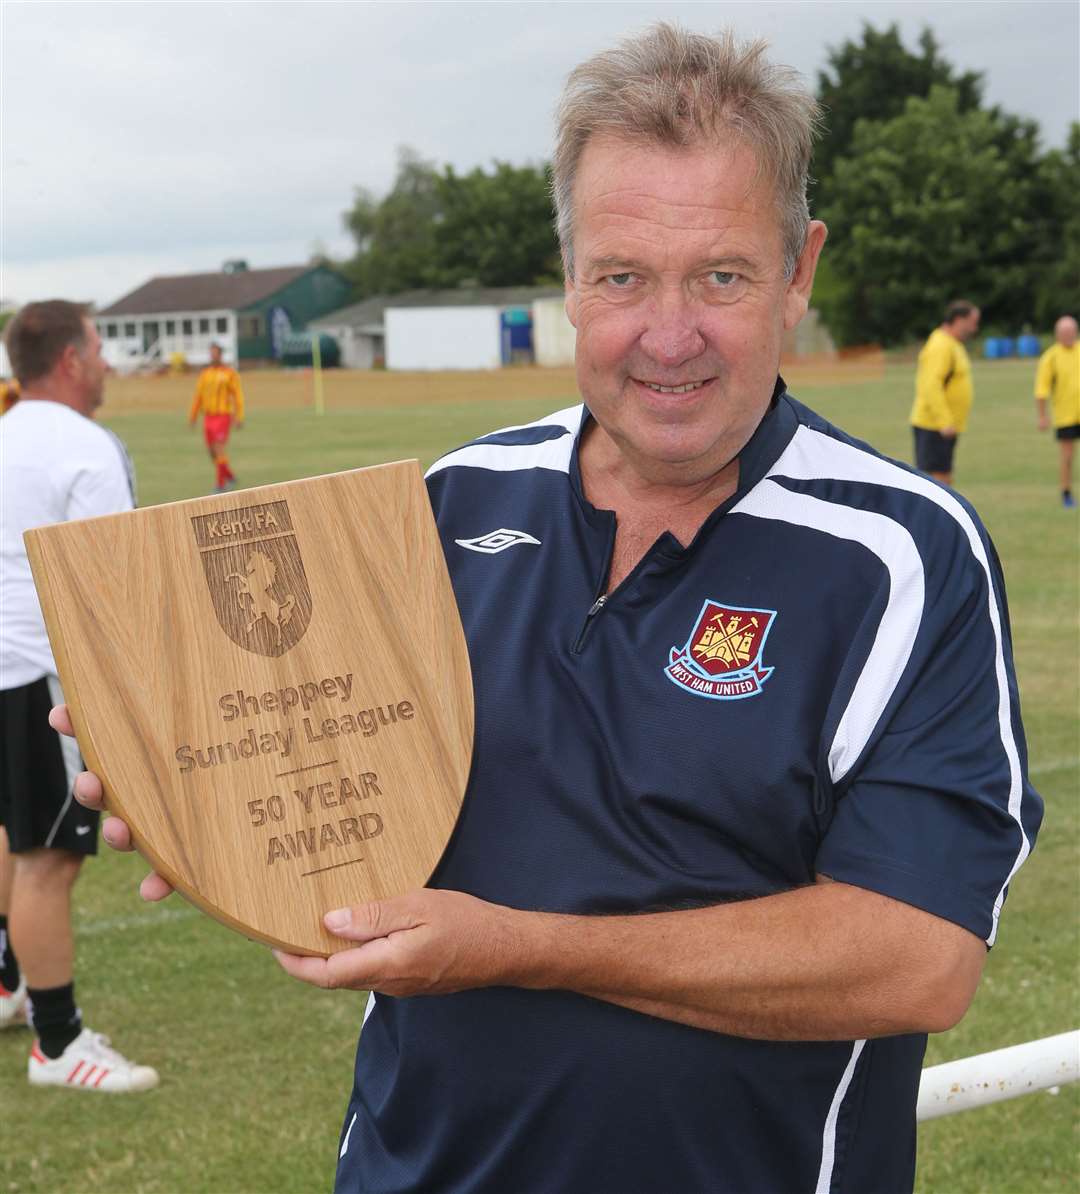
<point x="933" y="451"/>
<point x="1072" y="431"/>
<point x="216" y="429"/>
<point x="37" y="770"/>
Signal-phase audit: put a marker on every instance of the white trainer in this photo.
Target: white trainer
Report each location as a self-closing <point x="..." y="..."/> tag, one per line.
<point x="89" y="1063"/>
<point x="13" y="1005"/>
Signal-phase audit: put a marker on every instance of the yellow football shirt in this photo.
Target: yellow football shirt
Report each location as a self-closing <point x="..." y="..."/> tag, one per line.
<point x="943" y="387"/>
<point x="218" y="392"/>
<point x="1058" y="378"/>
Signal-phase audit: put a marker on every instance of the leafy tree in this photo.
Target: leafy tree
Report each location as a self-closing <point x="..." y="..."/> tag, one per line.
<point x="872" y="80"/>
<point x="444" y="229"/>
<point x="498" y="228"/>
<point x="395" y="236"/>
<point x="928" y="206"/>
<point x="1057" y="285"/>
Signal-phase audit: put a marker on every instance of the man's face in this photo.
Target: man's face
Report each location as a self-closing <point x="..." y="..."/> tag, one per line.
<point x="967" y="325"/>
<point x="679" y="301"/>
<point x="1065" y="331"/>
<point x="90" y="368"/>
<point x="215" y="355"/>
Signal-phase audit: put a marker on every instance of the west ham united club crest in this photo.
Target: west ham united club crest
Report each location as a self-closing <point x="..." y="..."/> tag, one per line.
<point x="722" y="658"/>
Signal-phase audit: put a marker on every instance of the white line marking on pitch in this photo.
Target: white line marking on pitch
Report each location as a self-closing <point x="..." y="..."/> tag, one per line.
<point x="121" y="924"/>
<point x="1054" y="765"/>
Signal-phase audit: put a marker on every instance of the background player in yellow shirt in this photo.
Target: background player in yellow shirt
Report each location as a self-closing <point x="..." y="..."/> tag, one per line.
<point x="943" y="391"/>
<point x="1057" y="379"/>
<point x="219" y="397"/>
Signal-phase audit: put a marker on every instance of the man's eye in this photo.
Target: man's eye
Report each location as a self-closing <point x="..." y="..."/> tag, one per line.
<point x="722" y="277"/>
<point x="620" y="280"/>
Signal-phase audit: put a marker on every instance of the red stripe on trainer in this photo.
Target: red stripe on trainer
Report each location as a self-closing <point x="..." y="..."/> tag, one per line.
<point x="78" y="1067"/>
<point x="88" y="1075"/>
<point x="36" y="1052"/>
<point x="103" y="1074"/>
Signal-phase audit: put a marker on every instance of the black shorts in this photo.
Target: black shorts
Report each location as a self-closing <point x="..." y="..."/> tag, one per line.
<point x="1070" y="432"/>
<point x="37" y="770"/>
<point x="933" y="451"/>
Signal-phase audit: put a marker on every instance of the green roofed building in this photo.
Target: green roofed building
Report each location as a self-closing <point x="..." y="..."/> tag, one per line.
<point x="249" y="312"/>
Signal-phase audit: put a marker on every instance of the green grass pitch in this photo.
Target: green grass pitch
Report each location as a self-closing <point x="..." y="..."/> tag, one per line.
<point x="256" y="1068"/>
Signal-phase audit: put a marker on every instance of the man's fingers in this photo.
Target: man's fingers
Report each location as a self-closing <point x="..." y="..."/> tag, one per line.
<point x="351" y="969"/>
<point x="88" y="790"/>
<point x="60" y="720"/>
<point x="154" y="887"/>
<point x="366" y="922"/>
<point x="308" y="970"/>
<point x="116" y="834"/>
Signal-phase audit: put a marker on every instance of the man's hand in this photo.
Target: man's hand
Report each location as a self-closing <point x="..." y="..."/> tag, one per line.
<point x="948" y="432"/>
<point x="89" y="792"/>
<point x="1044" y="421"/>
<point x="424" y="943"/>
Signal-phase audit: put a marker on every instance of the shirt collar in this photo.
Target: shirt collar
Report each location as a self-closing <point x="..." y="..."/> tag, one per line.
<point x="771" y="436"/>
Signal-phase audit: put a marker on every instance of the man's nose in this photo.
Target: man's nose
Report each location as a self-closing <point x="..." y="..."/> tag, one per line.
<point x="672" y="335"/>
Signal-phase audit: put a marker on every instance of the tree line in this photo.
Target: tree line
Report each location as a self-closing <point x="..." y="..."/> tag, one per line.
<point x="929" y="195"/>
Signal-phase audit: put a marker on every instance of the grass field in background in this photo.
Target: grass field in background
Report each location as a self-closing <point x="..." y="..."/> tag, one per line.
<point x="256" y="1068"/>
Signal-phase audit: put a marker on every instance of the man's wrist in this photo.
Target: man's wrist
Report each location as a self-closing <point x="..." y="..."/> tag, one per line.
<point x="535" y="943"/>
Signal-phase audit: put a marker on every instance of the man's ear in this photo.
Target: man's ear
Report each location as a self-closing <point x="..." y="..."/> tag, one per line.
<point x="797" y="296"/>
<point x="70" y="363"/>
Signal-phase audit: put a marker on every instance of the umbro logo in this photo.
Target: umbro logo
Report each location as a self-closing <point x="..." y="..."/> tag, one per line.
<point x="82" y="830"/>
<point x="495" y="541"/>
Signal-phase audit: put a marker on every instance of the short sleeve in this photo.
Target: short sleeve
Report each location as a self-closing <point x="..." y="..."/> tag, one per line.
<point x="934" y="370"/>
<point x="1044" y="375"/>
<point x="105" y="484"/>
<point x="940" y="814"/>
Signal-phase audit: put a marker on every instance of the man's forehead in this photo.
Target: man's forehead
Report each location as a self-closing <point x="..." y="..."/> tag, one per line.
<point x="628" y="191"/>
<point x="678" y="184"/>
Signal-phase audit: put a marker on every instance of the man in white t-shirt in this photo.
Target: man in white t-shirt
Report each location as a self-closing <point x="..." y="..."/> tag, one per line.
<point x="57" y="464"/>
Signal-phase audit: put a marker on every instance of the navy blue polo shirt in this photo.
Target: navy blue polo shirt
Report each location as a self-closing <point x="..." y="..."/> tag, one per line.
<point x="820" y="683"/>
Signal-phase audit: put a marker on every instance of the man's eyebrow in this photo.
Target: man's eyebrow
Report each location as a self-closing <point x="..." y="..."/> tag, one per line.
<point x="629" y="265"/>
<point x="619" y="264"/>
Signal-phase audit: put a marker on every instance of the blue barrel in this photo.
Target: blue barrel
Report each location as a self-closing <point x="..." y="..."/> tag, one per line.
<point x="1005" y="347"/>
<point x="990" y="348"/>
<point x="1028" y="346"/>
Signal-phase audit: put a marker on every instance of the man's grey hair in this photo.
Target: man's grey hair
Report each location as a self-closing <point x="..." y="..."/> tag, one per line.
<point x="671" y="87"/>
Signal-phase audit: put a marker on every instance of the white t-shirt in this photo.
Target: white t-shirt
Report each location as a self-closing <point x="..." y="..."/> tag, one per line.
<point x="55" y="465"/>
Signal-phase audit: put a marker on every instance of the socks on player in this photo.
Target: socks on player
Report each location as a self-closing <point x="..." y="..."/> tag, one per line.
<point x="56" y="1019"/>
<point x="224" y="473"/>
<point x="9" y="967"/>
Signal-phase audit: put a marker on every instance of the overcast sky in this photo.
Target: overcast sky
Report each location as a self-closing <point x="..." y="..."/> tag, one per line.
<point x="142" y="139"/>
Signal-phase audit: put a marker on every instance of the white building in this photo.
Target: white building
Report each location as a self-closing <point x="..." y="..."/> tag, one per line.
<point x="248" y="312"/>
<point x="503" y="334"/>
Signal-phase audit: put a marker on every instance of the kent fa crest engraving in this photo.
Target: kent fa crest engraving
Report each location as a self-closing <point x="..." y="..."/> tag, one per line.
<point x="722" y="658"/>
<point x="255" y="574"/>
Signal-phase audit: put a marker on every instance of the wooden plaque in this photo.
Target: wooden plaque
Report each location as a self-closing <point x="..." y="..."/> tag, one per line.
<point x="274" y="687"/>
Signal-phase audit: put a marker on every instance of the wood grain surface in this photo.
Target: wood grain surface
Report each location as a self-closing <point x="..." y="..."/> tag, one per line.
<point x="274" y="687"/>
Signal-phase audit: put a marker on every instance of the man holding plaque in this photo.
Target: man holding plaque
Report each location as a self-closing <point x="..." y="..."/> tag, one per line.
<point x="749" y="778"/>
<point x="58" y="465"/>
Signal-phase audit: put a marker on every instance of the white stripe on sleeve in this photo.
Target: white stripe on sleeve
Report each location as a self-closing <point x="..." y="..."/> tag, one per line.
<point x="813" y="456"/>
